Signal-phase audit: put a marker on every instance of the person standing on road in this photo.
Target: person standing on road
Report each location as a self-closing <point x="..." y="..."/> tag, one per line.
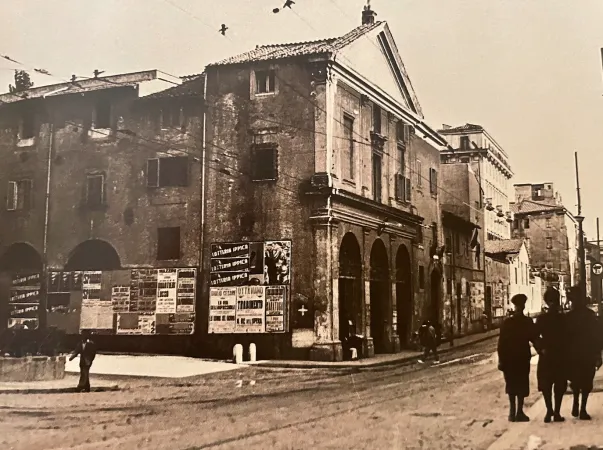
<point x="428" y="337"/>
<point x="86" y="349"/>
<point x="514" y="357"/>
<point x="552" y="363"/>
<point x="584" y="345"/>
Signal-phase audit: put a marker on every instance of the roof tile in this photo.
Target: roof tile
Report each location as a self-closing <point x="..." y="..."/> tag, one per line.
<point x="504" y="246"/>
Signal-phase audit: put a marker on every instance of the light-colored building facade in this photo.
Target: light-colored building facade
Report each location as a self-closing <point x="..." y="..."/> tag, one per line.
<point x="473" y="144"/>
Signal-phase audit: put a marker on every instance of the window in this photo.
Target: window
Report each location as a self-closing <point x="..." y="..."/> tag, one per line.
<point x="421" y="277"/>
<point x="376" y="119"/>
<point x="264" y="162"/>
<point x="19" y="195"/>
<point x="171" y="117"/>
<point x="28" y="129"/>
<point x="166" y="172"/>
<point x="95" y="190"/>
<point x="548" y="223"/>
<point x="419" y="174"/>
<point x="515" y="224"/>
<point x="401" y="155"/>
<point x="549" y="242"/>
<point x="402" y="132"/>
<point x="265" y="81"/>
<point x="347" y="157"/>
<point x="102" y="115"/>
<point x="377" y="174"/>
<point x="433" y="181"/>
<point x="464" y="142"/>
<point x="434" y="233"/>
<point x="526" y="223"/>
<point x="168" y="243"/>
<point x="402" y="188"/>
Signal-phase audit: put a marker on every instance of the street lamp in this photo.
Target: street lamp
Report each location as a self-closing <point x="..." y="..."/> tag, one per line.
<point x="581" y="255"/>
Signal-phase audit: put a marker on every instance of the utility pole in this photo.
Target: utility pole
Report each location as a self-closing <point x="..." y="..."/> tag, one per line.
<point x="580" y="219"/>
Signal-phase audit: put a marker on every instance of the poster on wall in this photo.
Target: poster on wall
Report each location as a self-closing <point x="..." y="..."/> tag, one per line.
<point x="250" y="264"/>
<point x="477" y="295"/>
<point x="185" y="293"/>
<point x="91" y="285"/>
<point x="275" y="308"/>
<point x="167" y="281"/>
<point x="250" y="310"/>
<point x="97" y="315"/>
<point x="24" y="301"/>
<point x="222" y="306"/>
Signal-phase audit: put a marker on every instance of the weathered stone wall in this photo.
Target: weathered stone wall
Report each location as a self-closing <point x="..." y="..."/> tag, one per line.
<point x="32" y="368"/>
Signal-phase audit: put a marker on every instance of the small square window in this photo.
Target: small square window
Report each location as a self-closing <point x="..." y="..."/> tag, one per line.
<point x="168" y="243"/>
<point x="95" y="190"/>
<point x="171" y="117"/>
<point x="264" y="162"/>
<point x="167" y="172"/>
<point x="265" y="81"/>
<point x="377" y="119"/>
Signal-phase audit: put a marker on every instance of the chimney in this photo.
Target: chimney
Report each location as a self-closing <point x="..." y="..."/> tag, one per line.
<point x="446" y="127"/>
<point x="368" y="15"/>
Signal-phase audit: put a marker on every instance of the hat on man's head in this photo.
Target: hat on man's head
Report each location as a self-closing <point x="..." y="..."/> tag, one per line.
<point x="575" y="295"/>
<point x="519" y="299"/>
<point x="551" y="296"/>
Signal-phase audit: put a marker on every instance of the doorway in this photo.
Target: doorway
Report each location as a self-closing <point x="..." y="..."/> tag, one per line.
<point x="350" y="283"/>
<point x="403" y="295"/>
<point x="379" y="295"/>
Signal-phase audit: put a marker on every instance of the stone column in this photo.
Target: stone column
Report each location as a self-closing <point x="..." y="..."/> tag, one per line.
<point x="327" y="346"/>
<point x="368" y="346"/>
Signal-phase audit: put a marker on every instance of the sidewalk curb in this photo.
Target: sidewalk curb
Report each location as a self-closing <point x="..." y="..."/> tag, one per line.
<point x="69" y="390"/>
<point x="357" y="365"/>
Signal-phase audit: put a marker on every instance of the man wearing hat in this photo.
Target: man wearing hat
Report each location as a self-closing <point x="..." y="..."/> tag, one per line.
<point x="584" y="345"/>
<point x="552" y="364"/>
<point x="514" y="357"/>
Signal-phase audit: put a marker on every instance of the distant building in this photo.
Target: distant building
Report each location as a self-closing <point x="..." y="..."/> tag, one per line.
<point x="472" y="144"/>
<point x="463" y="220"/>
<point x="514" y="254"/>
<point x="550" y="230"/>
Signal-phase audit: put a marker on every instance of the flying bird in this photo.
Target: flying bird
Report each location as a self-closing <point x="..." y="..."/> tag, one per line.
<point x="288" y="4"/>
<point x="223" y="29"/>
<point x="276" y="10"/>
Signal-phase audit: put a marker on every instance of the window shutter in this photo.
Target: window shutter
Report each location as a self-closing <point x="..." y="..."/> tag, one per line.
<point x="407" y="189"/>
<point x="153" y="173"/>
<point x="397" y="187"/>
<point x="11" y="198"/>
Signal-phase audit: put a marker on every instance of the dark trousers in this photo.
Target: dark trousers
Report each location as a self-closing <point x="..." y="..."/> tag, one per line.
<point x="432" y="348"/>
<point x="84" y="384"/>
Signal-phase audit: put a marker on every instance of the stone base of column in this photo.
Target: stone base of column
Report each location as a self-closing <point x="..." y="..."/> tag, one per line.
<point x="326" y="351"/>
<point x="368" y="348"/>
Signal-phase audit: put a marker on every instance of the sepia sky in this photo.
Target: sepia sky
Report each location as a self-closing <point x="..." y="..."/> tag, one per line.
<point x="529" y="71"/>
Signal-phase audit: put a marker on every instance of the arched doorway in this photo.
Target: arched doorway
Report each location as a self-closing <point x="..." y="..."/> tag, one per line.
<point x="350" y="286"/>
<point x="23" y="262"/>
<point x="379" y="295"/>
<point x="20" y="257"/>
<point x="403" y="294"/>
<point x="93" y="255"/>
<point x="435" y="289"/>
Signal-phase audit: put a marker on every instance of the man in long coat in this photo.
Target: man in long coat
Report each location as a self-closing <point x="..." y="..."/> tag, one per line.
<point x="584" y="345"/>
<point x="514" y="357"/>
<point x="86" y="350"/>
<point x="552" y="363"/>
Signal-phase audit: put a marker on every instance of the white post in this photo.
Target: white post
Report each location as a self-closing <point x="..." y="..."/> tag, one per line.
<point x="238" y="354"/>
<point x="252" y="352"/>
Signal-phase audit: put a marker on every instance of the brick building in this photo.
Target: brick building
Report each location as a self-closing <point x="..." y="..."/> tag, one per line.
<point x="550" y="231"/>
<point x="463" y="224"/>
<point x="101" y="189"/>
<point x="322" y="147"/>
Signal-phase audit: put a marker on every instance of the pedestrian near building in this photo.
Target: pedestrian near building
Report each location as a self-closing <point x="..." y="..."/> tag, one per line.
<point x="552" y="363"/>
<point x="428" y="337"/>
<point x="584" y="350"/>
<point x="86" y="350"/>
<point x="514" y="357"/>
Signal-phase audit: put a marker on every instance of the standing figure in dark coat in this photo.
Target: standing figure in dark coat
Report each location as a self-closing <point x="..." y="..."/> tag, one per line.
<point x="552" y="364"/>
<point x="584" y="350"/>
<point x="514" y="357"/>
<point x="86" y="349"/>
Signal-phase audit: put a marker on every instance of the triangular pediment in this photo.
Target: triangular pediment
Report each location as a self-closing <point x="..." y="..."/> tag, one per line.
<point x="374" y="57"/>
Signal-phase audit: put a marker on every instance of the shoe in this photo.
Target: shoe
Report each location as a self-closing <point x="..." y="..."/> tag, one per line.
<point x="575" y="412"/>
<point x="521" y="417"/>
<point x="585" y="416"/>
<point x="548" y="418"/>
<point x="511" y="417"/>
<point x="558" y="418"/>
